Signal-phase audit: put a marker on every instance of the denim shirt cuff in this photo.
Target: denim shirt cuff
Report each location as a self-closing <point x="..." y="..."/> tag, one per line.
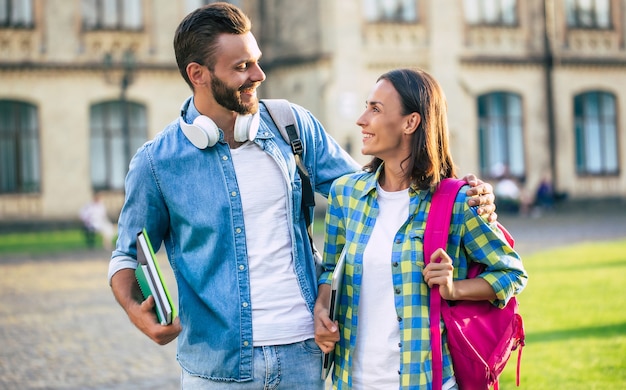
<point x="119" y="263"/>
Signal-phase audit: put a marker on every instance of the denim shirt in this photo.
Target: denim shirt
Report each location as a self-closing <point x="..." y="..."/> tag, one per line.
<point x="188" y="199"/>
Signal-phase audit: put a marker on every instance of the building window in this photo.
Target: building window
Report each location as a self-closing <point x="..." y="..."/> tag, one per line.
<point x="112" y="15"/>
<point x="500" y="134"/>
<point x="19" y="148"/>
<point x="117" y="131"/>
<point x="402" y="11"/>
<point x="16" y="13"/>
<point x="596" y="133"/>
<point x="191" y="5"/>
<point x="595" y="14"/>
<point x="491" y="12"/>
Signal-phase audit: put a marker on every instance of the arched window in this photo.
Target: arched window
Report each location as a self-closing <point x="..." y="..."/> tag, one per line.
<point x="117" y="131"/>
<point x="595" y="125"/>
<point x="19" y="148"/>
<point x="500" y="134"/>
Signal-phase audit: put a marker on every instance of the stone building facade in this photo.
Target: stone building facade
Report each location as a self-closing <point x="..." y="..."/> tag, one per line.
<point x="535" y="87"/>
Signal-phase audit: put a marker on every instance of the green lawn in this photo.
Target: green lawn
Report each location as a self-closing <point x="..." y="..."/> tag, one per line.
<point x="44" y="242"/>
<point x="574" y="310"/>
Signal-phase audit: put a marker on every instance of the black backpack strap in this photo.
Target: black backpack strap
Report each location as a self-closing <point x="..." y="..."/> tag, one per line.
<point x="280" y="111"/>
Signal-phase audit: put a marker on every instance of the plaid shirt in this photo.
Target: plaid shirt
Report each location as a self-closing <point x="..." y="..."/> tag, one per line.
<point x="350" y="219"/>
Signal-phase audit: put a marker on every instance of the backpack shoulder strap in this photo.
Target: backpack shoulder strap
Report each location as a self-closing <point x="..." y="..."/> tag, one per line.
<point x="438" y="222"/>
<point x="436" y="236"/>
<point x="285" y="120"/>
<point x="280" y="111"/>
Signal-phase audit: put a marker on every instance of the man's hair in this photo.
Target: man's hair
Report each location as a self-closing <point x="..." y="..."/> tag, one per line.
<point x="196" y="36"/>
<point x="430" y="160"/>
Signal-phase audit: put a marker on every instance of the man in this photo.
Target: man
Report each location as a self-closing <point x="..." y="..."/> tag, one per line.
<point x="228" y="208"/>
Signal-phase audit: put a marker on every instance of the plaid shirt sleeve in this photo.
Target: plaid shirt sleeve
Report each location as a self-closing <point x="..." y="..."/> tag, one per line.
<point x="474" y="240"/>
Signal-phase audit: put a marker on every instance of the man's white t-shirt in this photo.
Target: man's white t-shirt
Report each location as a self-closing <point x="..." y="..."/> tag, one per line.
<point x="279" y="312"/>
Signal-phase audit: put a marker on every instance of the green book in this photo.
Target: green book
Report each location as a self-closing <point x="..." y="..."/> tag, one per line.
<point x="151" y="281"/>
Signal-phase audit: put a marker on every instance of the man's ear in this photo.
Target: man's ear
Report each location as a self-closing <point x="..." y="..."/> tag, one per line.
<point x="197" y="74"/>
<point x="412" y="121"/>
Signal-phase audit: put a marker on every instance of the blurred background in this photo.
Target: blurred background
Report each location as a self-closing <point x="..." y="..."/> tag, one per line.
<point x="535" y="88"/>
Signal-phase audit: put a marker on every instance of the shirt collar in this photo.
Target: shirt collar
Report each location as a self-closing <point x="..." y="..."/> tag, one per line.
<point x="372" y="179"/>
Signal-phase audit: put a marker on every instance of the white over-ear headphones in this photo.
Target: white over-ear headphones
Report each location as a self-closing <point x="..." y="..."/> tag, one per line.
<point x="204" y="132"/>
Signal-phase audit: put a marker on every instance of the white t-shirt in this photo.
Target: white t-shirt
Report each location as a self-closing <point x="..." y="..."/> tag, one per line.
<point x="279" y="312"/>
<point x="377" y="352"/>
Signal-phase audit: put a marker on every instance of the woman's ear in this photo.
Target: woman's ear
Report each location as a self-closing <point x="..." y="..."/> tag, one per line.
<point x="197" y="74"/>
<point x="412" y="122"/>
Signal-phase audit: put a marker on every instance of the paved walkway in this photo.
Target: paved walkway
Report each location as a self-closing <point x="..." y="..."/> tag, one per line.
<point x="60" y="327"/>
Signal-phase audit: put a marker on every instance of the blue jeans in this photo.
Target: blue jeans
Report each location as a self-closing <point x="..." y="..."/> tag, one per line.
<point x="295" y="366"/>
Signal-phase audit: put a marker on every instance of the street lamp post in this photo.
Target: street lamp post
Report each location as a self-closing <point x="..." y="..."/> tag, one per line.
<point x="124" y="80"/>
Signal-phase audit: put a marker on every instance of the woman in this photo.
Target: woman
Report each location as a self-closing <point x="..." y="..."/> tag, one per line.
<point x="378" y="218"/>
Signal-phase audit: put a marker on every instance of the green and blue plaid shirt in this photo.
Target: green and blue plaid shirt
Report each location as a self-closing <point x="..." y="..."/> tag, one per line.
<point x="350" y="218"/>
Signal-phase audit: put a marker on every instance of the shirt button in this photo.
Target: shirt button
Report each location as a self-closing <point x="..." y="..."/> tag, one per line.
<point x="224" y="158"/>
<point x="238" y="230"/>
<point x="395" y="263"/>
<point x="233" y="193"/>
<point x="245" y="343"/>
<point x="399" y="345"/>
<point x="398" y="291"/>
<point x="245" y="304"/>
<point x="398" y="241"/>
<point x="399" y="319"/>
<point x="241" y="267"/>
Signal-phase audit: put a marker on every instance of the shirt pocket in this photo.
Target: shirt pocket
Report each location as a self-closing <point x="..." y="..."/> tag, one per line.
<point x="297" y="194"/>
<point x="416" y="241"/>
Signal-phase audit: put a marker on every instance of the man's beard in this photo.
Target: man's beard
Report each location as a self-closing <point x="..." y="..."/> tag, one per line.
<point x="230" y="98"/>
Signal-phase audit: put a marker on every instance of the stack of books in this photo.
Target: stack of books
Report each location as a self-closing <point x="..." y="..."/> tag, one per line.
<point x="151" y="281"/>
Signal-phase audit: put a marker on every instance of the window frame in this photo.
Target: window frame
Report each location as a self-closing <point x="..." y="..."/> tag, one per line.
<point x="112" y="15"/>
<point x="477" y="13"/>
<point x="20" y="140"/>
<point x="575" y="14"/>
<point x="18" y="14"/>
<point x="110" y="148"/>
<point x="382" y="18"/>
<point x="605" y="123"/>
<point x="499" y="149"/>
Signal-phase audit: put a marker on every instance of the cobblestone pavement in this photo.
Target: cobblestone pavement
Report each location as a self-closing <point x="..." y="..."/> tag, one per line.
<point x="60" y="327"/>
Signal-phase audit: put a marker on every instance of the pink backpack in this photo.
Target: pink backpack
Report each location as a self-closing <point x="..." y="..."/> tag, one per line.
<point x="480" y="335"/>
